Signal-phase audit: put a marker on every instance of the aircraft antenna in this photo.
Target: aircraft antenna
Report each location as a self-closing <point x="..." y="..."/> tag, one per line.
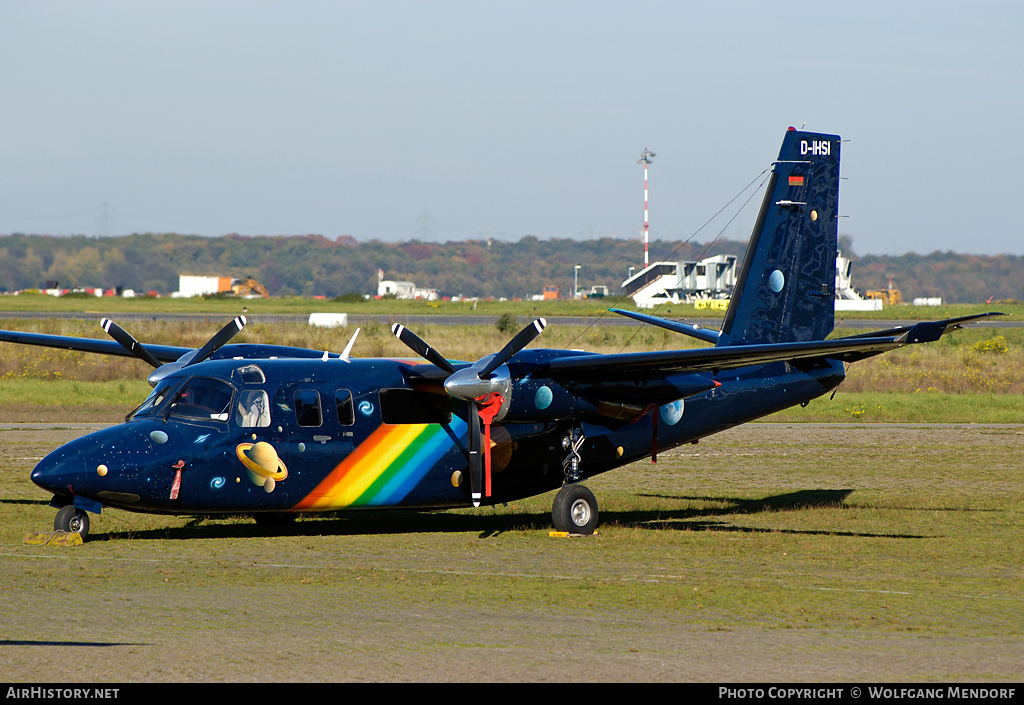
<point x="645" y="159"/>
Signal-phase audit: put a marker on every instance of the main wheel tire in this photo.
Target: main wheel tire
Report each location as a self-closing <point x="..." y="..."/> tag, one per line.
<point x="73" y="520"/>
<point x="574" y="510"/>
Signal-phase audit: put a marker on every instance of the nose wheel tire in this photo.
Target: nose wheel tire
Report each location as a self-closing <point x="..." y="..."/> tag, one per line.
<point x="73" y="520"/>
<point x="574" y="510"/>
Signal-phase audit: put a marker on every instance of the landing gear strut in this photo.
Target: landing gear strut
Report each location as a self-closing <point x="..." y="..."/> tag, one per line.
<point x="574" y="510"/>
<point x="73" y="520"/>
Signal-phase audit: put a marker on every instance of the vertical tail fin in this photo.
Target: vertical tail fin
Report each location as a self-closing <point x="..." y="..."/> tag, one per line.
<point x="786" y="287"/>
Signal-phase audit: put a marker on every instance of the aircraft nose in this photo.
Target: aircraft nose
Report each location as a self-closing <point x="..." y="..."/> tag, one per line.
<point x="70" y="469"/>
<point x="59" y="471"/>
<point x="111" y="466"/>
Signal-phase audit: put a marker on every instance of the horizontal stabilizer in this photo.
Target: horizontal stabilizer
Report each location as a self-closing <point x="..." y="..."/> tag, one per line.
<point x="694" y="331"/>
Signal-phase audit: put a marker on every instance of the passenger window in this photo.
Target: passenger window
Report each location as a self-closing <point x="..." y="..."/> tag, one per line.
<point x="253" y="409"/>
<point x="307" y="407"/>
<point x="346" y="410"/>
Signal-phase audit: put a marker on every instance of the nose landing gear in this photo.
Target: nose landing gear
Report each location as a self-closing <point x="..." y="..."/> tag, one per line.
<point x="73" y="520"/>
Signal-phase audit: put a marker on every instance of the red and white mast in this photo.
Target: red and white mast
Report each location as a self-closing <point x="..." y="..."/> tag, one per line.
<point x="645" y="159"/>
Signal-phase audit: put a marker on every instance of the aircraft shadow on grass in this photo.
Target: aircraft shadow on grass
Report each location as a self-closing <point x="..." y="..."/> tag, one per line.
<point x="374" y="522"/>
<point x="691" y="519"/>
<point x="38" y="642"/>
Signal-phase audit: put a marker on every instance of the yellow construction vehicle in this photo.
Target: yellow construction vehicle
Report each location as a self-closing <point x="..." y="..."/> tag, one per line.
<point x="890" y="296"/>
<point x="249" y="288"/>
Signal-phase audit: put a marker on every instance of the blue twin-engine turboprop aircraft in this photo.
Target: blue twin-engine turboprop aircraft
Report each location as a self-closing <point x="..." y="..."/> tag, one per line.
<point x="274" y="431"/>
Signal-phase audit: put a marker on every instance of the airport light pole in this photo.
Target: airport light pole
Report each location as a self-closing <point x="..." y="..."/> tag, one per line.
<point x="645" y="159"/>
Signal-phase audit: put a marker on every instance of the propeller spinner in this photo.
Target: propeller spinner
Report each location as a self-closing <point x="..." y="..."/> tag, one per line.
<point x="479" y="387"/>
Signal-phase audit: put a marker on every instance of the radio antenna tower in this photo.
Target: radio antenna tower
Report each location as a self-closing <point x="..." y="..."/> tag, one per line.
<point x="105" y="219"/>
<point x="425" y="232"/>
<point x="645" y="159"/>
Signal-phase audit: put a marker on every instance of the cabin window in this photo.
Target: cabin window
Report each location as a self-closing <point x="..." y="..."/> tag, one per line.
<point x="307" y="407"/>
<point x="346" y="410"/>
<point x="398" y="406"/>
<point x="253" y="409"/>
<point x="201" y="398"/>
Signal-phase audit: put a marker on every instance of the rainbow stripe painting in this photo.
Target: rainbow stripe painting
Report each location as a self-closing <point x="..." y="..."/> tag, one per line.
<point x="385" y="467"/>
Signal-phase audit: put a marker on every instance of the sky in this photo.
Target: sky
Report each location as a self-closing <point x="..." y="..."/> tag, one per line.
<point x="452" y="120"/>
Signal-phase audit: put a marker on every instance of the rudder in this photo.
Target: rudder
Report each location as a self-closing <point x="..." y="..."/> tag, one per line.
<point x="785" y="291"/>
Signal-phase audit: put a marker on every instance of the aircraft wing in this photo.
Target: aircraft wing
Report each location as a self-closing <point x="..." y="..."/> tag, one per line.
<point x="927" y="331"/>
<point x="163" y="353"/>
<point x="924" y="332"/>
<point x="631" y="365"/>
<point x="848" y="349"/>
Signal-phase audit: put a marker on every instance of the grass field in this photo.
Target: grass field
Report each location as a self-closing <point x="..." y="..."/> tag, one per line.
<point x="851" y="550"/>
<point x="109" y="306"/>
<point x="766" y="553"/>
<point x="974" y="375"/>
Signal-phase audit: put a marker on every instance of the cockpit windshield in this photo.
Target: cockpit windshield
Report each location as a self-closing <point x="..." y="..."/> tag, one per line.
<point x="155" y="399"/>
<point x="198" y="398"/>
<point x="202" y="398"/>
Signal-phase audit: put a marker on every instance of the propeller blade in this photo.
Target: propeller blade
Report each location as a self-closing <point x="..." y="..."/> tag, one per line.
<point x="223" y="336"/>
<point x="475" y="464"/>
<point x="128" y="342"/>
<point x="522" y="339"/>
<point x="475" y="388"/>
<point x="420" y="347"/>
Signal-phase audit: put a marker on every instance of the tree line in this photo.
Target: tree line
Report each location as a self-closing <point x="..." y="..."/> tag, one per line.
<point x="313" y="265"/>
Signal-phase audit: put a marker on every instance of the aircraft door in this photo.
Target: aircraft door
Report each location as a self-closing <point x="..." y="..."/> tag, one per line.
<point x="316" y="421"/>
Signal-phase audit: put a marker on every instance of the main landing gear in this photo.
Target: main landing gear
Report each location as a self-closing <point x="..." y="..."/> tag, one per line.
<point x="72" y="520"/>
<point x="574" y="510"/>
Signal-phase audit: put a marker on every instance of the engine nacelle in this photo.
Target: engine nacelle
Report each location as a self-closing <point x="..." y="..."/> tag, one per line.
<point x="547" y="400"/>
